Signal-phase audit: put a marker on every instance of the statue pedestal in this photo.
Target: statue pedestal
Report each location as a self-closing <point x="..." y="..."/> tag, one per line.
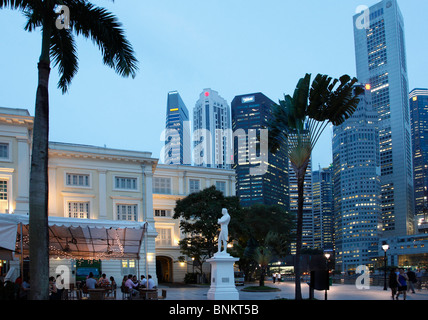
<point x="222" y="278"/>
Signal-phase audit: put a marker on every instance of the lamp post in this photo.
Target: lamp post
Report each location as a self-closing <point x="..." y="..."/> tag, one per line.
<point x="385" y="248"/>
<point x="327" y="256"/>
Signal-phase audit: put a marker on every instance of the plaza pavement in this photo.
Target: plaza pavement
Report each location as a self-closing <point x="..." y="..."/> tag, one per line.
<point x="336" y="292"/>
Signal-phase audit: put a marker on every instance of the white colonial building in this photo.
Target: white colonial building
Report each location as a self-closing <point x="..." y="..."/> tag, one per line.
<point x="172" y="183"/>
<point x="102" y="185"/>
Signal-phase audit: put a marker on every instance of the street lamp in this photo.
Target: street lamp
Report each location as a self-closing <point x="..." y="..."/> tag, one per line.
<point x="385" y="248"/>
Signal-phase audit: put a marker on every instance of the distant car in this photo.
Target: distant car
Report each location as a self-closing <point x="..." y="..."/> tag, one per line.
<point x="239" y="278"/>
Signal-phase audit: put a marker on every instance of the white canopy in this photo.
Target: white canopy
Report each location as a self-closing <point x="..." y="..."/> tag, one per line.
<point x="76" y="238"/>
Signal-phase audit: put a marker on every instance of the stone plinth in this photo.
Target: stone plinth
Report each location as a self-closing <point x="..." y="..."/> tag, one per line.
<point x="222" y="278"/>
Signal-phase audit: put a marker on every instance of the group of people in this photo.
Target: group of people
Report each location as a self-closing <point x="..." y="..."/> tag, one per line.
<point x="102" y="282"/>
<point x="132" y="284"/>
<point x="400" y="282"/>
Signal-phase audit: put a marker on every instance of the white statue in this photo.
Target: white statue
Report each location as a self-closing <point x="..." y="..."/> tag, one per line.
<point x="224" y="233"/>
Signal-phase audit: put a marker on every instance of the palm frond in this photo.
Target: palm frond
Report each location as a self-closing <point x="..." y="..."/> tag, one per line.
<point x="64" y="55"/>
<point x="103" y="28"/>
<point x="15" y="4"/>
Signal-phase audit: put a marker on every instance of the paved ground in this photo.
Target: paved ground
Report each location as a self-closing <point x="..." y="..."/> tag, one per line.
<point x="336" y="292"/>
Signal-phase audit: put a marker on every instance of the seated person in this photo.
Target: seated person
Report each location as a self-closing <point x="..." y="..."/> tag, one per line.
<point x="131" y="285"/>
<point x="91" y="282"/>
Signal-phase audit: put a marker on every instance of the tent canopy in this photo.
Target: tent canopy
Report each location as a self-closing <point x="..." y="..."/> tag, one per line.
<point x="71" y="238"/>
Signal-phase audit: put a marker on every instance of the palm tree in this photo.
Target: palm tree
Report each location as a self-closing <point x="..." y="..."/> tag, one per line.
<point x="58" y="46"/>
<point x="301" y="120"/>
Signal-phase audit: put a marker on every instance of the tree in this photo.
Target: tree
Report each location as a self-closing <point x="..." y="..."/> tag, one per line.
<point x="198" y="214"/>
<point x="301" y="120"/>
<point x="58" y="46"/>
<point x="263" y="233"/>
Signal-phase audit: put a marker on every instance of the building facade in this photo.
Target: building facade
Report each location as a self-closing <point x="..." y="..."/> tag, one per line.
<point x="381" y="62"/>
<point x="323" y="208"/>
<point x="212" y="131"/>
<point x="262" y="177"/>
<point x="357" y="189"/>
<point x="419" y="119"/>
<point x="172" y="183"/>
<point x="177" y="131"/>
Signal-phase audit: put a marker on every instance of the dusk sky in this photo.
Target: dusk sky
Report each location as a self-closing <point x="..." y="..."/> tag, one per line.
<point x="232" y="46"/>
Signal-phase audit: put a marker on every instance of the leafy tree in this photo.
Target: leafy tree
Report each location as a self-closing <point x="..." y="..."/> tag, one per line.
<point x="198" y="214"/>
<point x="58" y="46"/>
<point x="301" y="120"/>
<point x="263" y="233"/>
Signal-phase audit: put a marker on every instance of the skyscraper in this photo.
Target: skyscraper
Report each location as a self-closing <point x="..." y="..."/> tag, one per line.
<point x="177" y="131"/>
<point x="212" y="131"/>
<point x="323" y="208"/>
<point x="356" y="177"/>
<point x="250" y="115"/>
<point x="419" y="120"/>
<point x="381" y="62"/>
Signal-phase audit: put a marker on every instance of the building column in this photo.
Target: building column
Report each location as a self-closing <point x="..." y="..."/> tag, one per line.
<point x="102" y="185"/>
<point x="148" y="194"/>
<point x="23" y="179"/>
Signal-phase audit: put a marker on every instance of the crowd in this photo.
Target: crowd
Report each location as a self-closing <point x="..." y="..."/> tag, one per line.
<point x="131" y="284"/>
<point x="400" y="282"/>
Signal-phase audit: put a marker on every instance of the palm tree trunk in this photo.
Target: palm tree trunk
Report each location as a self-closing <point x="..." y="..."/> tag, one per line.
<point x="39" y="232"/>
<point x="300" y="174"/>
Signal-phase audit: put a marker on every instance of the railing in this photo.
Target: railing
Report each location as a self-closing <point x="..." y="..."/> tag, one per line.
<point x="375" y="280"/>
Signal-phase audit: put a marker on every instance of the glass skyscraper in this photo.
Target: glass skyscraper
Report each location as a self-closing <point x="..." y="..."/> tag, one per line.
<point x="357" y="189"/>
<point x="212" y="131"/>
<point x="323" y="208"/>
<point x="419" y="119"/>
<point x="177" y="131"/>
<point x="381" y="63"/>
<point x="250" y="114"/>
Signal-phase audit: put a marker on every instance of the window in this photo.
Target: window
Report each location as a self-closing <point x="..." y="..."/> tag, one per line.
<point x="77" y="180"/>
<point x="4" y="151"/>
<point x="162" y="213"/>
<point x="127" y="212"/>
<point x="3" y="189"/>
<point x="164" y="237"/>
<point x="4" y="204"/>
<point x="194" y="185"/>
<point x="128" y="267"/>
<point x="125" y="183"/>
<point x="221" y="186"/>
<point x="162" y="185"/>
<point x="78" y="210"/>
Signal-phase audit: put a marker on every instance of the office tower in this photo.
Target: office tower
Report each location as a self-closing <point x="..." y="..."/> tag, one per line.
<point x="419" y="120"/>
<point x="258" y="179"/>
<point x="357" y="189"/>
<point x="381" y="62"/>
<point x="308" y="221"/>
<point x="177" y="148"/>
<point x="212" y="131"/>
<point x="323" y="208"/>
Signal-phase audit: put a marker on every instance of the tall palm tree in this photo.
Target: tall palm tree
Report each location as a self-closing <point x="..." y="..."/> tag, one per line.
<point x="301" y="120"/>
<point x="58" y="46"/>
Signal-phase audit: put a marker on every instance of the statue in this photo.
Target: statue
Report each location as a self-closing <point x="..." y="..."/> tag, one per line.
<point x="224" y="233"/>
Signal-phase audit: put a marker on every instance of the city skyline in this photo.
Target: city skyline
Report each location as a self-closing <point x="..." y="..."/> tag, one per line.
<point x="213" y="45"/>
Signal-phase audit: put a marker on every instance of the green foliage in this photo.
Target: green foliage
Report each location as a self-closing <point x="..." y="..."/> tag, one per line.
<point x="198" y="214"/>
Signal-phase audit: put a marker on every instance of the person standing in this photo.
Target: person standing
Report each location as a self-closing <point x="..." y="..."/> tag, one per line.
<point x="412" y="280"/>
<point x="393" y="284"/>
<point x="402" y="283"/>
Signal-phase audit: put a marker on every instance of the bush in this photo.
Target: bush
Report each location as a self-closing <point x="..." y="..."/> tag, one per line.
<point x="190" y="278"/>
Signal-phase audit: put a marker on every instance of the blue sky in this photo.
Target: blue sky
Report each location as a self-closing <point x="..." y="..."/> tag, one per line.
<point x="232" y="46"/>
